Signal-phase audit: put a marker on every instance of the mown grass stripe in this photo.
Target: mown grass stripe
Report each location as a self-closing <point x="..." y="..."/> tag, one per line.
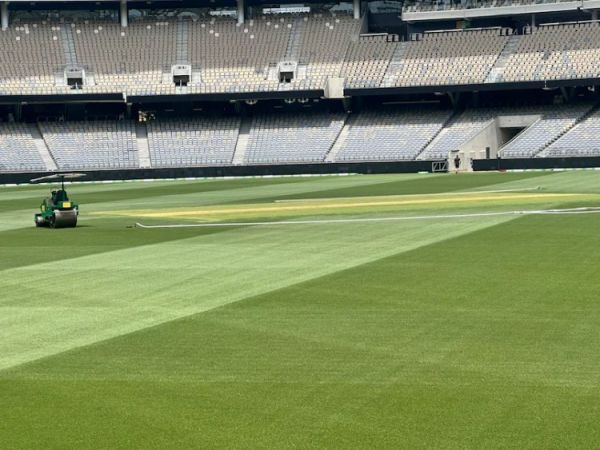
<point x="160" y="282"/>
<point x="374" y="356"/>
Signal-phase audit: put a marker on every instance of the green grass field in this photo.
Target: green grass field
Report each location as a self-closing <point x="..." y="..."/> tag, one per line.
<point x="466" y="331"/>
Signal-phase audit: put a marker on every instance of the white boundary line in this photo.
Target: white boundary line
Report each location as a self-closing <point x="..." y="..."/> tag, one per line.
<point x="583" y="210"/>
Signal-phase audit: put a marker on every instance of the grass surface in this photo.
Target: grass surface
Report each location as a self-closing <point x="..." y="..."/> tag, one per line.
<point x="472" y="332"/>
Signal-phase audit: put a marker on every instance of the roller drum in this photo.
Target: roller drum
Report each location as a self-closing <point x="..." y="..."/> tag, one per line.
<point x="64" y="219"/>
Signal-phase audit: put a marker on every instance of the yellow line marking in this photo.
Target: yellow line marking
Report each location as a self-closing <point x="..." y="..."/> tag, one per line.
<point x="320" y="206"/>
<point x="433" y="194"/>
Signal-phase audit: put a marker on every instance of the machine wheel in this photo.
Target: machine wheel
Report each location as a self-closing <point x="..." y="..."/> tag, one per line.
<point x="39" y="221"/>
<point x="63" y="219"/>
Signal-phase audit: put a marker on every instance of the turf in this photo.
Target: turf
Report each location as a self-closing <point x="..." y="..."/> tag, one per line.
<point x="474" y="332"/>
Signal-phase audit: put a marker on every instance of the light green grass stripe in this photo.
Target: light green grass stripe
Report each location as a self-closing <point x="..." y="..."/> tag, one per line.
<point x="34" y="190"/>
<point x="580" y="182"/>
<point x="14" y="220"/>
<point x="54" y="307"/>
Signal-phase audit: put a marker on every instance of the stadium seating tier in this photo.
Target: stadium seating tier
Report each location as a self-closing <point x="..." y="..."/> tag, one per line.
<point x="227" y="57"/>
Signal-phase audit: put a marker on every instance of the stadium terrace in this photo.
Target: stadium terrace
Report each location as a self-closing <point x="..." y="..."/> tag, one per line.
<point x="115" y="86"/>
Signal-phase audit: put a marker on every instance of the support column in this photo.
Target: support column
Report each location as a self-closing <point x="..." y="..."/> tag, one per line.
<point x="595" y="14"/>
<point x="4" y="14"/>
<point x="567" y="93"/>
<point x="18" y="112"/>
<point x="124" y="13"/>
<point x="239" y="109"/>
<point x="356" y="8"/>
<point x="533" y="20"/>
<point x="240" y="11"/>
<point x="455" y="98"/>
<point x="347" y="102"/>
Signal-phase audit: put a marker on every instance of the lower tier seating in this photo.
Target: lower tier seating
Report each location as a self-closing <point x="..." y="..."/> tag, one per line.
<point x="286" y="138"/>
<point x="390" y="134"/>
<point x="193" y="142"/>
<point x="92" y="145"/>
<point x="581" y="140"/>
<point x="18" y="152"/>
<point x="386" y="133"/>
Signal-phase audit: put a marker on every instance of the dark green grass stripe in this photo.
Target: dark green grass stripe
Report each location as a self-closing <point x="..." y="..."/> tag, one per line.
<point x="150" y="190"/>
<point x="157" y="415"/>
<point x="426" y="185"/>
<point x="488" y="340"/>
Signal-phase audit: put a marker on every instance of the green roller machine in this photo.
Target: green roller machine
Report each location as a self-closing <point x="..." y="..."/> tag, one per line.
<point x="58" y="210"/>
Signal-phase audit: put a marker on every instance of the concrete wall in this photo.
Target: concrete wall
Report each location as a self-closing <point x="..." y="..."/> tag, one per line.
<point x="476" y="147"/>
<point x="236" y="171"/>
<point x="517" y="121"/>
<point x="492" y="136"/>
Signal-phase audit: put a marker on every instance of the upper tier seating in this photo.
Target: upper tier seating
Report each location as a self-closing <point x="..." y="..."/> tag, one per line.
<point x="131" y="59"/>
<point x="233" y="57"/>
<point x="289" y="138"/>
<point x="17" y="149"/>
<point x="31" y="56"/>
<point x="445" y="5"/>
<point x="227" y="58"/>
<point x="366" y="61"/>
<point x="457" y="57"/>
<point x="390" y="134"/>
<point x="557" y="52"/>
<point x="193" y="142"/>
<point x="92" y="145"/>
<point x="323" y="47"/>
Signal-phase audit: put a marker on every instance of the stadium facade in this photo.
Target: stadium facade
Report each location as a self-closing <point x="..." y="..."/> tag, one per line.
<point x="186" y="89"/>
